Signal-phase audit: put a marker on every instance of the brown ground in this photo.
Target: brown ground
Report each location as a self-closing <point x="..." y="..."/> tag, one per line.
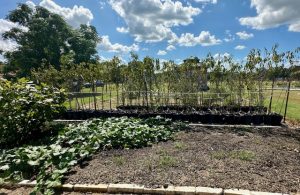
<point x="293" y="123"/>
<point x="254" y="159"/>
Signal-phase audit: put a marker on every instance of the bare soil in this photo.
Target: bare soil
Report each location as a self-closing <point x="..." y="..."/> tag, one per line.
<point x="254" y="159"/>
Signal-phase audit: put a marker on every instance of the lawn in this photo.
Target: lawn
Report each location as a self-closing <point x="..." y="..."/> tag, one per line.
<point x="278" y="103"/>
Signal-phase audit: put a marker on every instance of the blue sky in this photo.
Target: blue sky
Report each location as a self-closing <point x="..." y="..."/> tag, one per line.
<point x="173" y="29"/>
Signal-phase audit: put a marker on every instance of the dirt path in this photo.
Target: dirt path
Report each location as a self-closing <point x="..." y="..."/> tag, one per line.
<point x="254" y="159"/>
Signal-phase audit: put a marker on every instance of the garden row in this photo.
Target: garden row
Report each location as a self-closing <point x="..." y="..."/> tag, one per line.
<point x="48" y="163"/>
<point x="205" y="117"/>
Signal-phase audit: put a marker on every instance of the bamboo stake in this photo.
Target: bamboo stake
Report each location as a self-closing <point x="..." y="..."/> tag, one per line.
<point x="110" y="99"/>
<point x="271" y="98"/>
<point x="102" y="98"/>
<point x="287" y="101"/>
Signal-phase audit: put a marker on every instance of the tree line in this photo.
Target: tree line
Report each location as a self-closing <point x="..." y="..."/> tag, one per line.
<point x="51" y="51"/>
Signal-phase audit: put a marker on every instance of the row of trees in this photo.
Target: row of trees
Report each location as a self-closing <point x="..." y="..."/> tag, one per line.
<point x="218" y="75"/>
<point x="51" y="51"/>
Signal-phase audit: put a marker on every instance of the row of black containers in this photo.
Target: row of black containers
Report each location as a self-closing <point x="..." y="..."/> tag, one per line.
<point x="207" y="115"/>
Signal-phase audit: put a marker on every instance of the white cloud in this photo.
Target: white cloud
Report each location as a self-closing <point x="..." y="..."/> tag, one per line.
<point x="240" y="47"/>
<point x="189" y="40"/>
<point x="6" y="25"/>
<point x="30" y="4"/>
<point x="102" y="4"/>
<point x="272" y="14"/>
<point x="207" y="1"/>
<point x="161" y="52"/>
<point x="8" y="45"/>
<point x="244" y="35"/>
<point x="2" y="59"/>
<point x="74" y="16"/>
<point x="170" y="47"/>
<point x="179" y="61"/>
<point x="106" y="45"/>
<point x="220" y="56"/>
<point x="152" y="20"/>
<point x="122" y="30"/>
<point x="229" y="37"/>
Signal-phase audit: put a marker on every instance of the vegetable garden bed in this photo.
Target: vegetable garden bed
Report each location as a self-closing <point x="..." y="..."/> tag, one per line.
<point x="254" y="159"/>
<point x="47" y="162"/>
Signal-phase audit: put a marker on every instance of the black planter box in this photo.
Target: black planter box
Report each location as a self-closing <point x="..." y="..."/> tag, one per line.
<point x="207" y="117"/>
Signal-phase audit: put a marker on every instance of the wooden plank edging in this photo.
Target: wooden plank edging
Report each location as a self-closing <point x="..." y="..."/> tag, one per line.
<point x="140" y="189"/>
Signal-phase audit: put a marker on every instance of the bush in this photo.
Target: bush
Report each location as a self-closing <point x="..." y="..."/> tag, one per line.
<point x="25" y="107"/>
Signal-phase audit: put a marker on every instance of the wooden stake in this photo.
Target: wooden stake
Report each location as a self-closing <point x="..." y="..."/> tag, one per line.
<point x="287" y="100"/>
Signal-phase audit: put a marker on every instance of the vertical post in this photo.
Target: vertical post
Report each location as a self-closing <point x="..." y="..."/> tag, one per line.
<point x="287" y="101"/>
<point x="95" y="101"/>
<point x="102" y="98"/>
<point x="271" y="98"/>
<point x="77" y="103"/>
<point x="202" y="100"/>
<point x="117" y="96"/>
<point x="70" y="104"/>
<point x="110" y="99"/>
<point x="89" y="102"/>
<point x="139" y="97"/>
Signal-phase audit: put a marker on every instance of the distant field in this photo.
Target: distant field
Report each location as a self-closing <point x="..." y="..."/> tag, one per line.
<point x="278" y="103"/>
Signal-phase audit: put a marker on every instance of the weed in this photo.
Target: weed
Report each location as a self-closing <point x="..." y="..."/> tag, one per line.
<point x="165" y="160"/>
<point x="179" y="145"/>
<point x="119" y="160"/>
<point x="243" y="155"/>
<point x="149" y="165"/>
<point x="219" y="154"/>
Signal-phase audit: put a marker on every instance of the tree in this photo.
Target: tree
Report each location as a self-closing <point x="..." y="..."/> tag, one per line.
<point x="43" y="38"/>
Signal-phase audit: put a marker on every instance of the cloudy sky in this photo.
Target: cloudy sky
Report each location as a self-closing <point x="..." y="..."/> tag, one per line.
<point x="177" y="29"/>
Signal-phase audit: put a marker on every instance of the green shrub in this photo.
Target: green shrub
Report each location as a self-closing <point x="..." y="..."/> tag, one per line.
<point x="25" y="108"/>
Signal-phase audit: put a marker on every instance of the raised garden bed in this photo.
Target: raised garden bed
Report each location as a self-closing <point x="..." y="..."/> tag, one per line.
<point x="250" y="158"/>
<point x="205" y="117"/>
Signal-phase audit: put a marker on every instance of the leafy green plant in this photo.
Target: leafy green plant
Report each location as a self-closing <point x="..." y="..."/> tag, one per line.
<point x="118" y="160"/>
<point x="179" y="145"/>
<point x="243" y="155"/>
<point x="77" y="142"/>
<point x="166" y="160"/>
<point x="25" y="107"/>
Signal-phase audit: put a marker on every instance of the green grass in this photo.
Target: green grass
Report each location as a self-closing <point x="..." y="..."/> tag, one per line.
<point x="243" y="155"/>
<point x="119" y="160"/>
<point x="278" y="103"/>
<point x="165" y="160"/>
<point x="179" y="145"/>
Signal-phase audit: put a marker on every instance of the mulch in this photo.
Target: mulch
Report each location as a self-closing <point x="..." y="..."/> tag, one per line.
<point x="244" y="158"/>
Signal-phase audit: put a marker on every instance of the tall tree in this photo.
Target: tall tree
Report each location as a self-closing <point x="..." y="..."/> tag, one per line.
<point x="45" y="37"/>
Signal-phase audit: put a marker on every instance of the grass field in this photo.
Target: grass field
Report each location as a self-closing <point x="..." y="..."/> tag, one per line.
<point x="278" y="103"/>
